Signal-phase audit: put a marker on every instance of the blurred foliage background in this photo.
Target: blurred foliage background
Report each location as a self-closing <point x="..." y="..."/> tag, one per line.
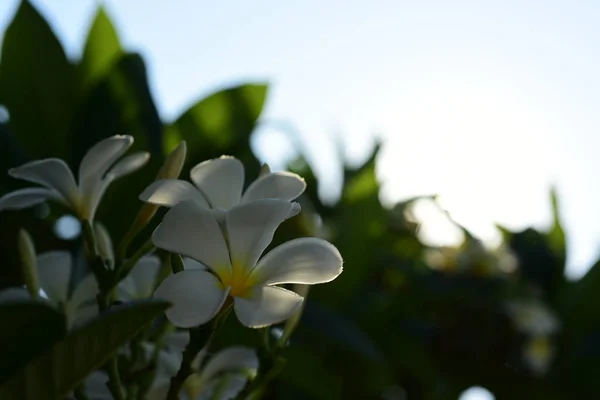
<point x="404" y="321"/>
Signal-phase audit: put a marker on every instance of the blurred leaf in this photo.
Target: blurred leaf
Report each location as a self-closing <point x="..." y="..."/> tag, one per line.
<point x="538" y="263"/>
<point x="220" y="124"/>
<point x="332" y="326"/>
<point x="58" y="371"/>
<point x="29" y="328"/>
<point x="358" y="225"/>
<point x="305" y="372"/>
<point x="556" y="235"/>
<point x="36" y="84"/>
<point x="102" y="49"/>
<point x="121" y="103"/>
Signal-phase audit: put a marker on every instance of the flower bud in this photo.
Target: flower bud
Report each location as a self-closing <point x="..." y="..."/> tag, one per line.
<point x="105" y="246"/>
<point x="28" y="263"/>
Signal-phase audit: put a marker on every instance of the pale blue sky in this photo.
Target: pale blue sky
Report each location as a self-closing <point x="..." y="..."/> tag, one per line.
<point x="453" y="88"/>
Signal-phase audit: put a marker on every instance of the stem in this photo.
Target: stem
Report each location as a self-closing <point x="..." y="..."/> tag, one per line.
<point x="124" y="268"/>
<point x="114" y="383"/>
<point x="104" y="297"/>
<point x="200" y="337"/>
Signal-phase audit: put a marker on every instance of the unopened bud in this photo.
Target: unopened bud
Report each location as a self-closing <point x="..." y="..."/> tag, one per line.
<point x="264" y="170"/>
<point x="105" y="245"/>
<point x="292" y="322"/>
<point x="28" y="263"/>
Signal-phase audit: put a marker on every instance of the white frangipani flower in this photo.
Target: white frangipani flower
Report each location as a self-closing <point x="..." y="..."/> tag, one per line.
<point x="233" y="261"/>
<point x="96" y="171"/>
<point x="538" y="354"/>
<point x="224" y="375"/>
<point x="218" y="184"/>
<point x="533" y="317"/>
<point x="141" y="281"/>
<point x="54" y="273"/>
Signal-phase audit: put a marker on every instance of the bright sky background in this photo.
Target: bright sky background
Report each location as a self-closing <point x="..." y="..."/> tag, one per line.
<point x="486" y="103"/>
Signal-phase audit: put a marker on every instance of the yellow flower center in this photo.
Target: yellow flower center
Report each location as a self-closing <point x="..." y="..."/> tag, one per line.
<point x="237" y="280"/>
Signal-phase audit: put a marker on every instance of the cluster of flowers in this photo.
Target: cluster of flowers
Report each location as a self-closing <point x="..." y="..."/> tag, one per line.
<point x="221" y="231"/>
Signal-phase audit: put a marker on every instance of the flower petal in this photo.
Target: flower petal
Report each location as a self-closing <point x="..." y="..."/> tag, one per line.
<point x="191" y="230"/>
<point x="251" y="226"/>
<point x="54" y="273"/>
<point x="86" y="290"/>
<point x="168" y="192"/>
<point x="190" y="263"/>
<point x="221" y="180"/>
<point x="28" y="197"/>
<point x="305" y="260"/>
<point x="278" y="185"/>
<point x="144" y="275"/>
<point x="128" y="165"/>
<point x="52" y="173"/>
<point x="235" y="358"/>
<point x="100" y="158"/>
<point x="267" y="305"/>
<point x="95" y="386"/>
<point x="196" y="296"/>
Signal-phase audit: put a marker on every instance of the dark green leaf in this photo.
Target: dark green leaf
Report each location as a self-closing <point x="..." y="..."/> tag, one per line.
<point x="59" y="370"/>
<point x="220" y="124"/>
<point x="29" y="328"/>
<point x="102" y="49"/>
<point x="36" y="84"/>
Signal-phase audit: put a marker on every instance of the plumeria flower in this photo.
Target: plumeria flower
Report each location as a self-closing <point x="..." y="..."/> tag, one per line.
<point x="233" y="364"/>
<point x="224" y="375"/>
<point x="218" y="184"/>
<point x="141" y="281"/>
<point x="233" y="264"/>
<point x="538" y="354"/>
<point x="533" y="317"/>
<point x="54" y="273"/>
<point x="96" y="171"/>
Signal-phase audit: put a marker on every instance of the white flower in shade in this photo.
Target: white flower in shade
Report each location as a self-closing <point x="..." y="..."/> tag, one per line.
<point x="141" y="281"/>
<point x="54" y="273"/>
<point x="533" y="317"/>
<point x="218" y="184"/>
<point x="224" y="375"/>
<point x="233" y="264"/>
<point x="538" y="354"/>
<point x="97" y="170"/>
<point x="233" y="364"/>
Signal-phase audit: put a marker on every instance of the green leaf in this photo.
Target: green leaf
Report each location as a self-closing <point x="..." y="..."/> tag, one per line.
<point x="556" y="235"/>
<point x="36" y="84"/>
<point x="59" y="370"/>
<point x="29" y="328"/>
<point x="121" y="103"/>
<point x="102" y="49"/>
<point x="219" y="124"/>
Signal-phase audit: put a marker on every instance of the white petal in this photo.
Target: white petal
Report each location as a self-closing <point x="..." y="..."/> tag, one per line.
<point x="278" y="185"/>
<point x="191" y="230"/>
<point x="84" y="314"/>
<point x="52" y="173"/>
<point x="189" y="263"/>
<point x="168" y="192"/>
<point x="86" y="290"/>
<point x="95" y="386"/>
<point x="228" y="360"/>
<point x="28" y="197"/>
<point x="196" y="297"/>
<point x="221" y="180"/>
<point x="176" y="341"/>
<point x="128" y="165"/>
<point x="305" y="260"/>
<point x="54" y="272"/>
<point x="251" y="226"/>
<point x="144" y="275"/>
<point x="100" y="158"/>
<point x="12" y="294"/>
<point x="267" y="305"/>
<point x="226" y="387"/>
